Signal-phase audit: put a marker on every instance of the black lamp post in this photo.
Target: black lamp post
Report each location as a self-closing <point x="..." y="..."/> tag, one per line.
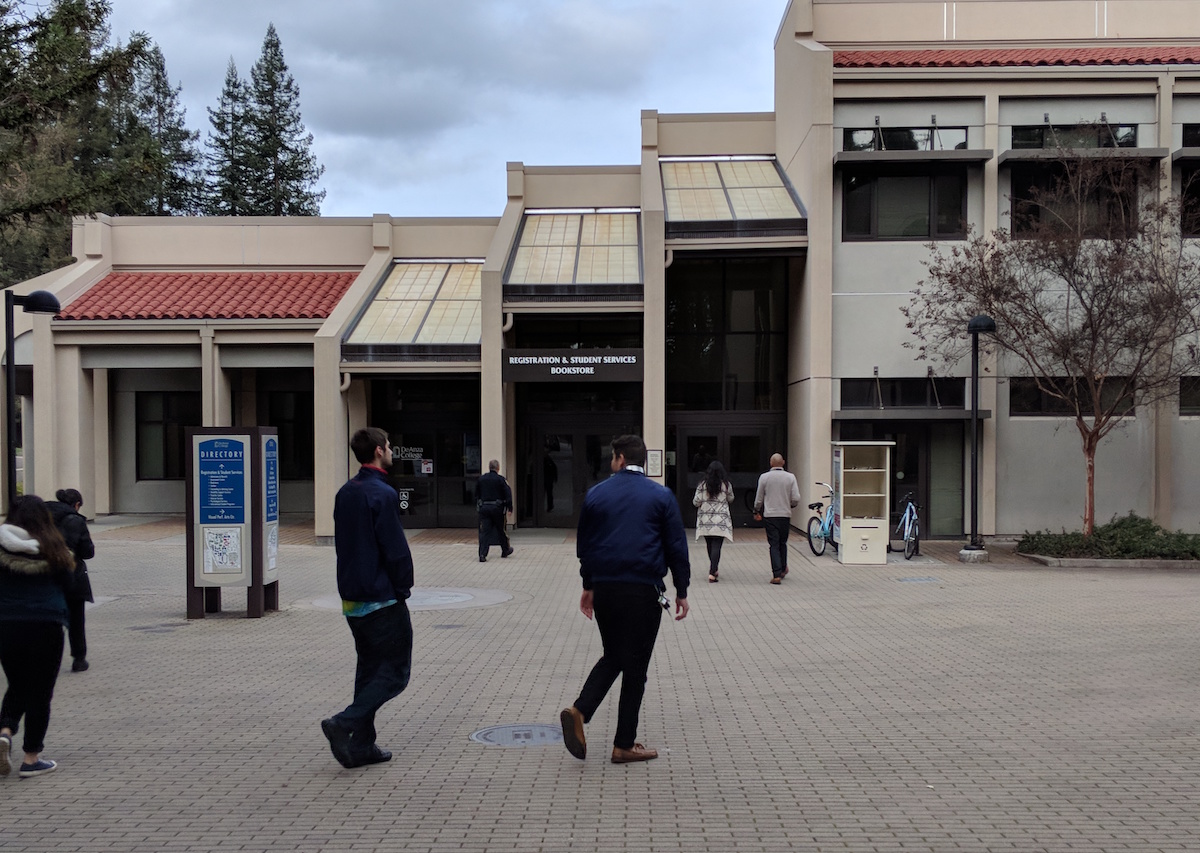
<point x="979" y="324"/>
<point x="38" y="302"/>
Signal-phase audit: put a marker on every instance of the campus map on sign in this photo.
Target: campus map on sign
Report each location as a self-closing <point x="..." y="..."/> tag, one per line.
<point x="222" y="550"/>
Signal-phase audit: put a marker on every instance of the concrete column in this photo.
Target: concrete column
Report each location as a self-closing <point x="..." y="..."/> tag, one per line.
<point x="73" y="436"/>
<point x="208" y="367"/>
<point x="1164" y="413"/>
<point x="988" y="384"/>
<point x="654" y="310"/>
<point x="101" y="501"/>
<point x="40" y="479"/>
<point x="330" y="438"/>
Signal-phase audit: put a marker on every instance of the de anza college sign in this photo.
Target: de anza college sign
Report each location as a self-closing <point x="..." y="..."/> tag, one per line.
<point x="573" y="365"/>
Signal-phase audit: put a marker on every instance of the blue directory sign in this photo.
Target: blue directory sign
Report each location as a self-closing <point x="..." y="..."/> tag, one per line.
<point x="222" y="474"/>
<point x="271" y="474"/>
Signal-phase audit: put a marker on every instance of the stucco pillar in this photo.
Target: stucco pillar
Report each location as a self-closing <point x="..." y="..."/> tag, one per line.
<point x="330" y="438"/>
<point x="101" y="500"/>
<point x="654" y="292"/>
<point x="1164" y="413"/>
<point x="208" y="366"/>
<point x="72" y="426"/>
<point x="41" y="478"/>
<point x="988" y="384"/>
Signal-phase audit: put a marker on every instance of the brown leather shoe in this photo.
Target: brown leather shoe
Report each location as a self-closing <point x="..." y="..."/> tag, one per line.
<point x="637" y="753"/>
<point x="572" y="728"/>
<point x="777" y="579"/>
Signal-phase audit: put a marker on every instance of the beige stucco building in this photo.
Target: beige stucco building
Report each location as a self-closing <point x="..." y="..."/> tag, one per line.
<point x="732" y="291"/>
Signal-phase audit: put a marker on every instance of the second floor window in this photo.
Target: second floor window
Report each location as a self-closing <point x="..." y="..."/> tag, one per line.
<point x="1102" y="135"/>
<point x="904" y="204"/>
<point x="904" y="138"/>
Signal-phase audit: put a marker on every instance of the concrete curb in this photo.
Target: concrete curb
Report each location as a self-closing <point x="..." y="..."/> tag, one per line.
<point x="1088" y="563"/>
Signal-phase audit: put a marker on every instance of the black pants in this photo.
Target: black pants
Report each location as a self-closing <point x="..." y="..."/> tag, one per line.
<point x="777" y="536"/>
<point x="383" y="640"/>
<point x="30" y="653"/>
<point x="75" y="627"/>
<point x="491" y="530"/>
<point x="713" y="544"/>
<point x="628" y="616"/>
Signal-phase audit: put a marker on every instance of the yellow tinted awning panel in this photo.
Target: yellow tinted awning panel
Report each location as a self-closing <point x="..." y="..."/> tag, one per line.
<point x="726" y="190"/>
<point x="423" y="303"/>
<point x="577" y="248"/>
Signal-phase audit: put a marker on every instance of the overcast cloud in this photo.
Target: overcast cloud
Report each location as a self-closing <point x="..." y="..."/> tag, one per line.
<point x="416" y="105"/>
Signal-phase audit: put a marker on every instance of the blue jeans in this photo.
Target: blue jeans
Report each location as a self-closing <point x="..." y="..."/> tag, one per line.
<point x="383" y="640"/>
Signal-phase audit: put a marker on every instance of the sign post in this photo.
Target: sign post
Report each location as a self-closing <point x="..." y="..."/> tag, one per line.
<point x="233" y="518"/>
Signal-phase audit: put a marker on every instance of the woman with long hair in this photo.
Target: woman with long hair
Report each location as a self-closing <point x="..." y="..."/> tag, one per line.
<point x="35" y="570"/>
<point x="713" y="521"/>
<point x="73" y="527"/>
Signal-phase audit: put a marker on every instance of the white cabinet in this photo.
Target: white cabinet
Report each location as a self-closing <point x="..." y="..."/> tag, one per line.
<point x="862" y="494"/>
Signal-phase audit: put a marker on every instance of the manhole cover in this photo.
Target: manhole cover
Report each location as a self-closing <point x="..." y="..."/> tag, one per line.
<point x="528" y="734"/>
<point x="437" y="598"/>
<point x="918" y="580"/>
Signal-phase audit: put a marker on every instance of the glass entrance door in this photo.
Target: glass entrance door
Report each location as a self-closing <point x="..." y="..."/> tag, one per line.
<point x="561" y="460"/>
<point x="743" y="450"/>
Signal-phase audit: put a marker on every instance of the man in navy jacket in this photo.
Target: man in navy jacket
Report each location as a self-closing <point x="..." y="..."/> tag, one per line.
<point x="375" y="577"/>
<point x="630" y="534"/>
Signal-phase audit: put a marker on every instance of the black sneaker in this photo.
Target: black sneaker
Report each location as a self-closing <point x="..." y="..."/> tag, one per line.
<point x="79" y="665"/>
<point x="506" y="552"/>
<point x="38" y="768"/>
<point x="339" y="742"/>
<point x="375" y="756"/>
<point x="5" y="748"/>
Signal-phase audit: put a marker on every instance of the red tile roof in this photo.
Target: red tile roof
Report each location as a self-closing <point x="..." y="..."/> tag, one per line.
<point x="1049" y="56"/>
<point x="290" y="295"/>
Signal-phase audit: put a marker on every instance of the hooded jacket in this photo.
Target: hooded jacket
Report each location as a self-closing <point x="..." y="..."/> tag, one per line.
<point x="73" y="527"/>
<point x="30" y="590"/>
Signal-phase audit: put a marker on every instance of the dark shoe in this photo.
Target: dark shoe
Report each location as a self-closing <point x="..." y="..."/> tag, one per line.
<point x="505" y="552"/>
<point x="5" y="749"/>
<point x="375" y="756"/>
<point x="339" y="742"/>
<point x="712" y="578"/>
<point x="572" y="728"/>
<point x="483" y="559"/>
<point x="777" y="579"/>
<point x="636" y="753"/>
<point x="38" y="768"/>
<point x="79" y="665"/>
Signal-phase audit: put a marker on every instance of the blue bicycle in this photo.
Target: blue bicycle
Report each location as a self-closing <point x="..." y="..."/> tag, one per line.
<point x="909" y="528"/>
<point x="820" y="529"/>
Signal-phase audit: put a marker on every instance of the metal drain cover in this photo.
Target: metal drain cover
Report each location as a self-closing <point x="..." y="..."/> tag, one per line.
<point x="522" y="734"/>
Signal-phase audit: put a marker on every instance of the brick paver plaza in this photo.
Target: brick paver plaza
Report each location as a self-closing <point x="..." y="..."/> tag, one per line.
<point x="921" y="706"/>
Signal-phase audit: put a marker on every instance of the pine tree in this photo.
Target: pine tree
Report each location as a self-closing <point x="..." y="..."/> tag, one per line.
<point x="229" y="157"/>
<point x="286" y="170"/>
<point x="176" y="182"/>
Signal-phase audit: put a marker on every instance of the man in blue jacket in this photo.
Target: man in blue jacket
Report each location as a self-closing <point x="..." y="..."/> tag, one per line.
<point x="375" y="577"/>
<point x="630" y="534"/>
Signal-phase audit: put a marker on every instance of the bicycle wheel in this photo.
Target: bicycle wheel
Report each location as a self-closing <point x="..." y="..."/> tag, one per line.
<point x="913" y="541"/>
<point x="816" y="536"/>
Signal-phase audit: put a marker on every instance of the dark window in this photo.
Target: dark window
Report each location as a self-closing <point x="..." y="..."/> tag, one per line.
<point x="1075" y="136"/>
<point x="904" y="138"/>
<point x="291" y="413"/>
<point x="162" y="416"/>
<point x="727" y="334"/>
<point x="1026" y="398"/>
<point x="1191" y="136"/>
<point x="904" y="204"/>
<point x="1042" y="197"/>
<point x="1189" y="395"/>
<point x="1190" y="192"/>
<point x="903" y="393"/>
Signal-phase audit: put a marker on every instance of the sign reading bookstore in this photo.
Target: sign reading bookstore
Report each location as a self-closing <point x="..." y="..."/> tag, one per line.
<point x="573" y="365"/>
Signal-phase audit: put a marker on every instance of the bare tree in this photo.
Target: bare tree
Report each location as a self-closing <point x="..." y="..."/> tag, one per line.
<point x="1095" y="294"/>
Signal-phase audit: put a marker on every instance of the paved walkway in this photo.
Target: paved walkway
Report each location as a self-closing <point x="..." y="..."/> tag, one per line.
<point x="918" y="706"/>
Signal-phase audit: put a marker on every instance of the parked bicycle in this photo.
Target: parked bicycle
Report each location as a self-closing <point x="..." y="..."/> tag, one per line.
<point x="820" y="528"/>
<point x="910" y="528"/>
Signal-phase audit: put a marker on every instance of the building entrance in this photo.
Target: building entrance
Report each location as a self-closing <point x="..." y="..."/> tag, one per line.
<point x="743" y="446"/>
<point x="561" y="458"/>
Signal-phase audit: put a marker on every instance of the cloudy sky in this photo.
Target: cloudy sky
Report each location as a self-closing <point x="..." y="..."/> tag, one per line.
<point x="416" y="105"/>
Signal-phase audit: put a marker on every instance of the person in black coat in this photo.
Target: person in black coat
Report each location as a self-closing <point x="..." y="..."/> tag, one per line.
<point x="73" y="527"/>
<point x="493" y="500"/>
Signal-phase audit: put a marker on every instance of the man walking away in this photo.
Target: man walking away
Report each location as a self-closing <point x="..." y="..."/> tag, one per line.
<point x="777" y="495"/>
<point x="375" y="577"/>
<point x="630" y="534"/>
<point x="493" y="501"/>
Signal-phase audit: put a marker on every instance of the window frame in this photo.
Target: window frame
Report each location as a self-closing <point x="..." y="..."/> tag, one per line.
<point x="896" y="389"/>
<point x="1024" y="177"/>
<point x="1049" y="141"/>
<point x="169" y="437"/>
<point x="932" y="173"/>
<point x="879" y="137"/>
<point x="1049" y="405"/>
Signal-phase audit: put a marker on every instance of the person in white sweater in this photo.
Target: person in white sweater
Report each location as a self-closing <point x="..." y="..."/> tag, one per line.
<point x="778" y="493"/>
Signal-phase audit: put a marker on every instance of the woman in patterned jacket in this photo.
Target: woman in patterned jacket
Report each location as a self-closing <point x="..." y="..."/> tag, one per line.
<point x="713" y="522"/>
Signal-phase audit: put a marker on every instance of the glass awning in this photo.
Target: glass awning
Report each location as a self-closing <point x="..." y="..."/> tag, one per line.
<point x="422" y="303"/>
<point x="729" y="196"/>
<point x="576" y="254"/>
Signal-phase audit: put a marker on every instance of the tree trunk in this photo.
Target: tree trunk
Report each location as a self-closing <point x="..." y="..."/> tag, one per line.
<point x="1089" y="506"/>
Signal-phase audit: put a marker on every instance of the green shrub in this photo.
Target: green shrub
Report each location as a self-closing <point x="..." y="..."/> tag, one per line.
<point x="1127" y="537"/>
